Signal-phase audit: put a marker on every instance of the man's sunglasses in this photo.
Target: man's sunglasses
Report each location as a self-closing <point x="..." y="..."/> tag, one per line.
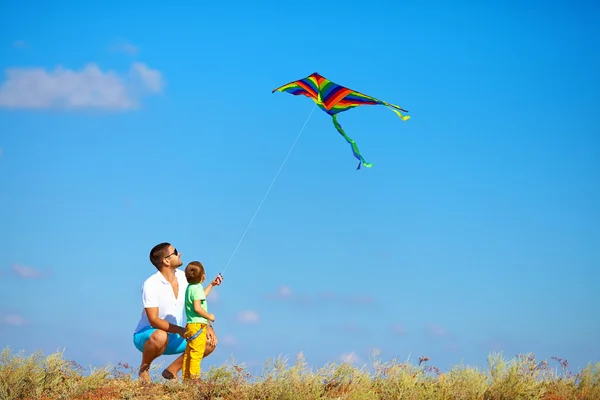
<point x="174" y="253"/>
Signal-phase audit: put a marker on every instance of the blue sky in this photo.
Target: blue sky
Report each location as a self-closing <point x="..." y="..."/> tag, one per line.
<point x="477" y="229"/>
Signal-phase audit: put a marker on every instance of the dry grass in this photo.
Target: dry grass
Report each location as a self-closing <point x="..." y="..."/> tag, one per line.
<point x="53" y="377"/>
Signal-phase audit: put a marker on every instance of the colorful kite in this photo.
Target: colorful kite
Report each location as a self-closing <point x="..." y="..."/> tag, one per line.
<point x="333" y="99"/>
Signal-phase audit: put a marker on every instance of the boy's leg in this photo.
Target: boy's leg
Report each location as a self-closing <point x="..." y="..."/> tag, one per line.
<point x="194" y="352"/>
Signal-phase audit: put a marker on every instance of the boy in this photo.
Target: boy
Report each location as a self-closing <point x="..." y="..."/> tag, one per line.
<point x="196" y="310"/>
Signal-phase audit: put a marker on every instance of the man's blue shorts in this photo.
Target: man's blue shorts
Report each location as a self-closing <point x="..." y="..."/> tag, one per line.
<point x="176" y="344"/>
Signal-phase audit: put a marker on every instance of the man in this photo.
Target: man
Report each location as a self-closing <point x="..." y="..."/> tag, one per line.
<point x="162" y="323"/>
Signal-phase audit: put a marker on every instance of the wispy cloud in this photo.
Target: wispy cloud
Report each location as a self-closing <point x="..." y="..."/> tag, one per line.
<point x="105" y="355"/>
<point x="20" y="44"/>
<point x="351" y="300"/>
<point x="26" y="272"/>
<point x="213" y="296"/>
<point x="354" y="328"/>
<point x="346" y="329"/>
<point x="452" y="346"/>
<point x="495" y="344"/>
<point x="248" y="317"/>
<point x="445" y="338"/>
<point x="436" y="330"/>
<point x="398" y="329"/>
<point x="228" y="340"/>
<point x="149" y="78"/>
<point x="125" y="47"/>
<point x="87" y="88"/>
<point x="362" y="300"/>
<point x="284" y="292"/>
<point x="12" y="319"/>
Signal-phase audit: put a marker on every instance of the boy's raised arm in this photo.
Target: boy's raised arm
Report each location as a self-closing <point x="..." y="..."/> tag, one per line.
<point x="216" y="282"/>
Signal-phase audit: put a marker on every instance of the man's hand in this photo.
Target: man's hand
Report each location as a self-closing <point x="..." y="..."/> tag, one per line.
<point x="211" y="338"/>
<point x="211" y="341"/>
<point x="161" y="324"/>
<point x="181" y="331"/>
<point x="211" y="317"/>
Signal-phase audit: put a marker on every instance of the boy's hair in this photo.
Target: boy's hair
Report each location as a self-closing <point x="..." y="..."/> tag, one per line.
<point x="194" y="272"/>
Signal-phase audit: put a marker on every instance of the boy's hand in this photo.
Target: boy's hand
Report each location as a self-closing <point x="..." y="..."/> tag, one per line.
<point x="217" y="281"/>
<point x="211" y="317"/>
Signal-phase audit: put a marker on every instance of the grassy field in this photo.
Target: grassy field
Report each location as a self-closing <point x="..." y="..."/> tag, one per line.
<point x="52" y="377"/>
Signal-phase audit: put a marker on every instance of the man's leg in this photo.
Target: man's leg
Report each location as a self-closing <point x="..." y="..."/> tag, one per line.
<point x="172" y="370"/>
<point x="176" y="345"/>
<point x="153" y="348"/>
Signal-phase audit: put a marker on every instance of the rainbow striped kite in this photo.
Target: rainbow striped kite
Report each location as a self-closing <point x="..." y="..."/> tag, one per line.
<point x="333" y="99"/>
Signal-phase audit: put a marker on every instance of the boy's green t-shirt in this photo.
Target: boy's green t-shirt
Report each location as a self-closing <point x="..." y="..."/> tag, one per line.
<point x="195" y="291"/>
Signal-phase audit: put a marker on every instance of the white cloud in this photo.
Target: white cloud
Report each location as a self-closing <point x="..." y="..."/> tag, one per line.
<point x="68" y="89"/>
<point x="285" y="291"/>
<point x="248" y="317"/>
<point x="27" y="272"/>
<point x="151" y="78"/>
<point x="11" y="319"/>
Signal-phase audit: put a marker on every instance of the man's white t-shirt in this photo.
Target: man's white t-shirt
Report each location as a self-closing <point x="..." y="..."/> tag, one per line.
<point x="157" y="292"/>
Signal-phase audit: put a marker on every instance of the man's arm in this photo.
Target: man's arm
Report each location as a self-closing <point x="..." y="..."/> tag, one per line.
<point x="160" y="323"/>
<point x="150" y="301"/>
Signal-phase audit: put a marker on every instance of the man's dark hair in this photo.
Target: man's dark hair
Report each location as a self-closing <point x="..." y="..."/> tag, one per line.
<point x="194" y="272"/>
<point x="157" y="254"/>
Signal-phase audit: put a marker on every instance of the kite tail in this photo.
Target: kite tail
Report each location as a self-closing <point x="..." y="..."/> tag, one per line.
<point x="352" y="144"/>
<point x="397" y="109"/>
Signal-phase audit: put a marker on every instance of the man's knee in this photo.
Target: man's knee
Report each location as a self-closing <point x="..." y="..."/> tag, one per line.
<point x="158" y="340"/>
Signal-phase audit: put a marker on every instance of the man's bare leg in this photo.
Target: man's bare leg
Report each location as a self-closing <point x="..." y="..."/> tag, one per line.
<point x="153" y="348"/>
<point x="172" y="370"/>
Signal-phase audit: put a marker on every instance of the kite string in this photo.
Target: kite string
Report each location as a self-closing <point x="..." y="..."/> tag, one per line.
<point x="269" y="189"/>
